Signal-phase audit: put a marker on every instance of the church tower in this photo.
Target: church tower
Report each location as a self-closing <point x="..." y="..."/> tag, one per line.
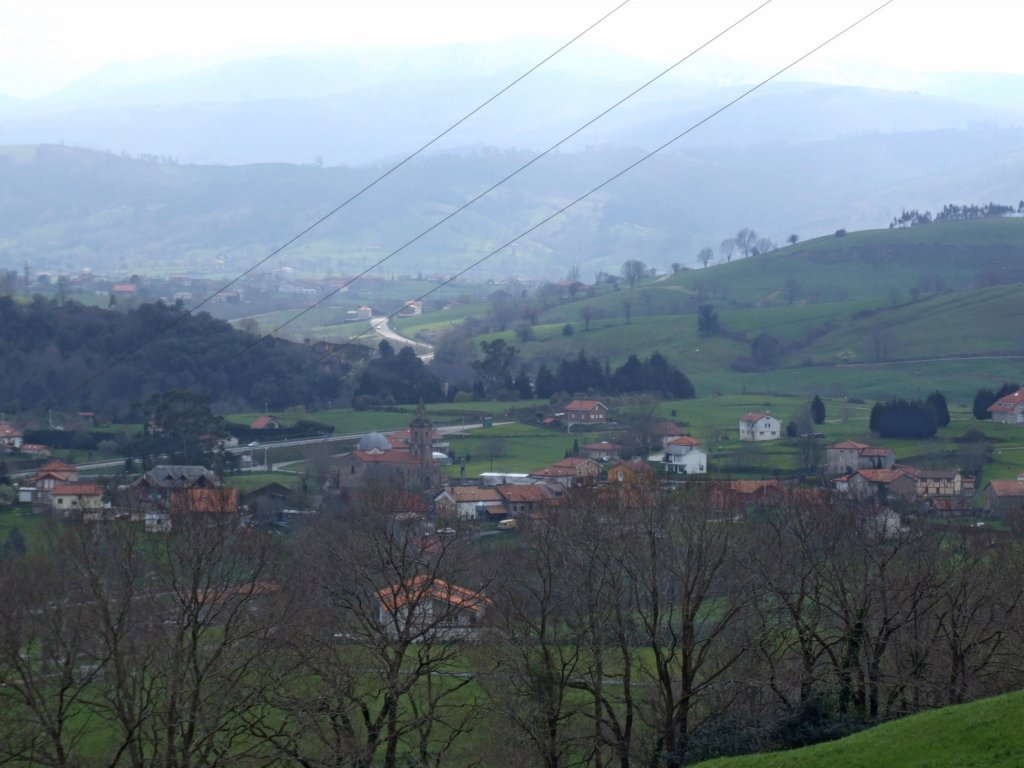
<point x="421" y="442"/>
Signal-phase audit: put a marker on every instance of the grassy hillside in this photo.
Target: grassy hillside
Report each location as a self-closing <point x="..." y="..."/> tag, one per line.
<point x="872" y="314"/>
<point x="983" y="734"/>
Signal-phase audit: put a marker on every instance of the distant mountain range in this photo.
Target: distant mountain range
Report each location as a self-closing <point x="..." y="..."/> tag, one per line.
<point x="230" y="160"/>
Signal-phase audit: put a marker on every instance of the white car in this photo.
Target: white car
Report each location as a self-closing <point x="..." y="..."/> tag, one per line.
<point x="254" y="444"/>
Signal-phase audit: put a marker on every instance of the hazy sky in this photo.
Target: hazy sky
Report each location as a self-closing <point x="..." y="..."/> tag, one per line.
<point x="46" y="44"/>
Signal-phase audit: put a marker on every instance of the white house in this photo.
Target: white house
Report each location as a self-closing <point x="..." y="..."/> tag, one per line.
<point x="682" y="456"/>
<point x="1009" y="409"/>
<point x="756" y="427"/>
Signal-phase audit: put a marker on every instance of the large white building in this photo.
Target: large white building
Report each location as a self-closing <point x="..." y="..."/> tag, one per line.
<point x="757" y="427"/>
<point x="682" y="456"/>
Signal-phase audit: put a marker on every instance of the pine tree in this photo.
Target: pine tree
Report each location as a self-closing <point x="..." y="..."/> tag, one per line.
<point x="817" y="410"/>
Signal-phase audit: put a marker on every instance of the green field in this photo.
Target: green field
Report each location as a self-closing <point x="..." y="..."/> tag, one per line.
<point x="982" y="734"/>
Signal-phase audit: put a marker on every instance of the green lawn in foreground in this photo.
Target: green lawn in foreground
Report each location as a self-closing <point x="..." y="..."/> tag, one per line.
<point x="983" y="734"/>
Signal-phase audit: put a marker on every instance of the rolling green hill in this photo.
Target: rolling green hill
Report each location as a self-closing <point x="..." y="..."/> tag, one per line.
<point x="982" y="734"/>
<point x="871" y="314"/>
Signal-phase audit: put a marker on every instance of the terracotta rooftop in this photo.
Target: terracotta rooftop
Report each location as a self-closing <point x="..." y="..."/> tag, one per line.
<point x="1009" y="403"/>
<point x="422" y="587"/>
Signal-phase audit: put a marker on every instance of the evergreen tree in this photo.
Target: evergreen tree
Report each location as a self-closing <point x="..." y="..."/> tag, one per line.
<point x="937" y="401"/>
<point x="818" y="411"/>
<point x="545" y="385"/>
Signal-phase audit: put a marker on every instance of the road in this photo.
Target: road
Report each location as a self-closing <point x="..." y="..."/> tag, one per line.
<point x="382" y="325"/>
<point x="255" y="450"/>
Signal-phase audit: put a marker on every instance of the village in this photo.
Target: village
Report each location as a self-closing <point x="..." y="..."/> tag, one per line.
<point x="420" y="460"/>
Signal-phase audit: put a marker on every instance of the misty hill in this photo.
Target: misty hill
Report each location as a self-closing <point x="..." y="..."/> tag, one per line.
<point x="65" y="208"/>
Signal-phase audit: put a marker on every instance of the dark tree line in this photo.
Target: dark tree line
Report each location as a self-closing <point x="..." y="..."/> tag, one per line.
<point x="47" y="349"/>
<point x="950" y="212"/>
<point x="653" y="375"/>
<point x="904" y="418"/>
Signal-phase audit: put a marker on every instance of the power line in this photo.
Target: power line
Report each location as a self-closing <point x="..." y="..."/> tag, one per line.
<point x="619" y="174"/>
<point x="180" y="318"/>
<point x="486" y="192"/>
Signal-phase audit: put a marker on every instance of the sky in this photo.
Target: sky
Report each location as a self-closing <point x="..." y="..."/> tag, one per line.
<point x="47" y="44"/>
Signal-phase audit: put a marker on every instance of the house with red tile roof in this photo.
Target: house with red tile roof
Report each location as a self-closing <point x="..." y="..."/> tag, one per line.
<point x="583" y="467"/>
<point x="425" y="608"/>
<point x="758" y="427"/>
<point x="883" y="485"/>
<point x="586" y="412"/>
<point x="76" y="500"/>
<point x="1002" y="496"/>
<point x="1008" y="409"/>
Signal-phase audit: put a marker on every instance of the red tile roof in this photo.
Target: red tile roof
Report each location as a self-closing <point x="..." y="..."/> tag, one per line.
<point x="585" y="405"/>
<point x="1009" y="403"/>
<point x="464" y="494"/>
<point x="1007" y="488"/>
<point x="849" y="445"/>
<point x="421" y="587"/>
<point x="686" y="440"/>
<point x="205" y="500"/>
<point x="883" y="476"/>
<point x="77" y="489"/>
<point x="522" y="494"/>
<point x="753" y="416"/>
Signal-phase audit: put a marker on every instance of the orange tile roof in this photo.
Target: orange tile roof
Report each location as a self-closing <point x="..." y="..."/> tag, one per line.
<point x="584" y="405"/>
<point x="849" y="445"/>
<point x="77" y="489"/>
<point x="464" y="494"/>
<point x="1009" y="403"/>
<point x="205" y="500"/>
<point x="753" y="416"/>
<point x="422" y="587"/>
<point x="522" y="494"/>
<point x="1007" y="488"/>
<point x="685" y="440"/>
<point x="884" y="476"/>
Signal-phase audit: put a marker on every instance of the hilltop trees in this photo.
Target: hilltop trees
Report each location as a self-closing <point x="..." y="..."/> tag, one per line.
<point x="633" y="271"/>
<point x="705" y="256"/>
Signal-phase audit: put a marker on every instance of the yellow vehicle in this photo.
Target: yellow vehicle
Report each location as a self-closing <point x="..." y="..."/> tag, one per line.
<point x="509" y="524"/>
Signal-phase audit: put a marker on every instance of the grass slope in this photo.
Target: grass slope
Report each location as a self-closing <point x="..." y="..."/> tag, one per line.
<point x="982" y="734"/>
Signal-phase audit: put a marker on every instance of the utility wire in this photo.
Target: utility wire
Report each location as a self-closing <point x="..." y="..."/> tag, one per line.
<point x="486" y="192"/>
<point x="617" y="175"/>
<point x="180" y="318"/>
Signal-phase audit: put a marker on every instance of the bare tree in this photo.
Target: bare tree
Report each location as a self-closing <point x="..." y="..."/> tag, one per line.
<point x="705" y="256"/>
<point x="633" y="271"/>
<point x="384" y="609"/>
<point x="681" y="560"/>
<point x="745" y="240"/>
<point x="728" y="248"/>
